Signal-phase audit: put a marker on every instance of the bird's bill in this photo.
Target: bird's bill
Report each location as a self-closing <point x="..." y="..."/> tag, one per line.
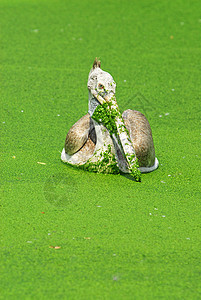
<point x="110" y="98"/>
<point x="98" y="97"/>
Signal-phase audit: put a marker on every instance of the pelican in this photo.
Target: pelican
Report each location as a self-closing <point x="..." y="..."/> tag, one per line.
<point x="106" y="141"/>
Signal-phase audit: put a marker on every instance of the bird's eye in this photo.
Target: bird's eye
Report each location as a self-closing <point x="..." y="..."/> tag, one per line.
<point x="100" y="86"/>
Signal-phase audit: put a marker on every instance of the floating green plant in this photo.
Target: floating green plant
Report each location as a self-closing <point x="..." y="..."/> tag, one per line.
<point x="107" y="116"/>
<point x="106" y="163"/>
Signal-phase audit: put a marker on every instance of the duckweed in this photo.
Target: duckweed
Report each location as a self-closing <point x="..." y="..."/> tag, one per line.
<point x="107" y="116"/>
<point x="106" y="163"/>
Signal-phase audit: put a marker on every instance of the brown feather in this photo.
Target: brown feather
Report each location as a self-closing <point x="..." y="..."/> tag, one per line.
<point x="97" y="63"/>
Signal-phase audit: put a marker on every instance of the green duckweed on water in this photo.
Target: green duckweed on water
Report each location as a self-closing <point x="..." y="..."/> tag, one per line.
<point x="70" y="234"/>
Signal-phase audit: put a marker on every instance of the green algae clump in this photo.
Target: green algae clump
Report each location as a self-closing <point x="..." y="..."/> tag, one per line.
<point x="107" y="116"/>
<point x="106" y="164"/>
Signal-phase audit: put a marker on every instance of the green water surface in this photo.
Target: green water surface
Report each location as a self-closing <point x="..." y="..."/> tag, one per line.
<point x="114" y="238"/>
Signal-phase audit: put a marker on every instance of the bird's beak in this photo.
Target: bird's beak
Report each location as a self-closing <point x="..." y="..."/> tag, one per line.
<point x="107" y="98"/>
<point x="98" y="97"/>
<point x="110" y="98"/>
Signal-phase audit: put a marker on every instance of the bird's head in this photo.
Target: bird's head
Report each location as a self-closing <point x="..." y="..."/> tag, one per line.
<point x="101" y="84"/>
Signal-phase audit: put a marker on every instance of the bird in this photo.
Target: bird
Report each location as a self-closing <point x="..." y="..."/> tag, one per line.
<point x="106" y="141"/>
